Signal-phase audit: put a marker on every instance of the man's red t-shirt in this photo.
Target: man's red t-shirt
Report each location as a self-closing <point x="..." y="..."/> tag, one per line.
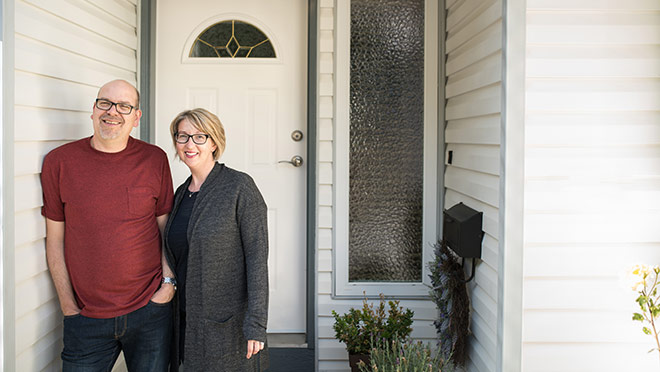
<point x="109" y="203"/>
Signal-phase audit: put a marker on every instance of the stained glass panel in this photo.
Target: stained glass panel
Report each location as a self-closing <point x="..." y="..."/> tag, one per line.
<point x="386" y="140"/>
<point x="232" y="39"/>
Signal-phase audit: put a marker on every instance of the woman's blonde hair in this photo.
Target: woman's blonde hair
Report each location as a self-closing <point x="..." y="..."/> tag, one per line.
<point x="205" y="122"/>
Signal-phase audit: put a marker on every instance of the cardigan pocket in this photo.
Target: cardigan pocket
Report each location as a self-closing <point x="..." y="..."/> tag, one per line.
<point x="223" y="345"/>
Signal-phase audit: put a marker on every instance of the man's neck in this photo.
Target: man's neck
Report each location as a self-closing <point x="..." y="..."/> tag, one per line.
<point x="111" y="146"/>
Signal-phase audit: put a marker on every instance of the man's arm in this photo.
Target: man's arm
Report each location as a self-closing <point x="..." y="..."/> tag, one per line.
<point x="57" y="267"/>
<point x="166" y="292"/>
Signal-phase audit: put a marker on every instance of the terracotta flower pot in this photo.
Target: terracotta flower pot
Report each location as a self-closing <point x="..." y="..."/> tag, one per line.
<point x="353" y="360"/>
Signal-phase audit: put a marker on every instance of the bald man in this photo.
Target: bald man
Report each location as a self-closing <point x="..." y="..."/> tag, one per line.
<point x="106" y="201"/>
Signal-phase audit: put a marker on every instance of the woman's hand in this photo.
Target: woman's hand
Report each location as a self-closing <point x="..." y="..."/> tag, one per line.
<point x="253" y="347"/>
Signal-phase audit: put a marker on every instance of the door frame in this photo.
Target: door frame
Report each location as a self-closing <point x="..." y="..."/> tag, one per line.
<point x="147" y="77"/>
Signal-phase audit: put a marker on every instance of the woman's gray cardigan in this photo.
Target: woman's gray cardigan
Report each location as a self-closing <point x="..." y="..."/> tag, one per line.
<point x="227" y="279"/>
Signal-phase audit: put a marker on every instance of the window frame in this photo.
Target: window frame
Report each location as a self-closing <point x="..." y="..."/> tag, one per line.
<point x="341" y="287"/>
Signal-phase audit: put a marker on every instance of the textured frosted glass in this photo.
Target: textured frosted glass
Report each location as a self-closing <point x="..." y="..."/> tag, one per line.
<point x="232" y="39"/>
<point x="386" y="140"/>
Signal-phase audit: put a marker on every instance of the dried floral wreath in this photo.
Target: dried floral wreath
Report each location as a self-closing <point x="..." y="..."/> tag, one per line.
<point x="449" y="292"/>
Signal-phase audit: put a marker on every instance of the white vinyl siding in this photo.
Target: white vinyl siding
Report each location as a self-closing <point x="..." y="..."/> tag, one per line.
<point x="592" y="181"/>
<point x="473" y="114"/>
<point x="64" y="51"/>
<point x="331" y="354"/>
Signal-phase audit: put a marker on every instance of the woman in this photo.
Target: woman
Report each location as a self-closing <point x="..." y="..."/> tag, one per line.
<point x="216" y="239"/>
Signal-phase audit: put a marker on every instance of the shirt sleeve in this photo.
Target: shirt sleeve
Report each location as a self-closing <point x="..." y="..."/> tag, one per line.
<point x="166" y="195"/>
<point x="53" y="207"/>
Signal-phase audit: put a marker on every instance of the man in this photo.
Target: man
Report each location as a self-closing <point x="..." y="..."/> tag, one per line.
<point x="106" y="201"/>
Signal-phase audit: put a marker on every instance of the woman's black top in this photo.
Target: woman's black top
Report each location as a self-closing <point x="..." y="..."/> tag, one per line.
<point x="178" y="242"/>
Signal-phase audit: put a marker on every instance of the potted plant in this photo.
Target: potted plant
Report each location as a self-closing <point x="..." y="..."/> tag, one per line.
<point x="360" y="327"/>
<point x="406" y="357"/>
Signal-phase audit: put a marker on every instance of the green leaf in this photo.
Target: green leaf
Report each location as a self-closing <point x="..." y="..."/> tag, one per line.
<point x="646" y="330"/>
<point x="638" y="316"/>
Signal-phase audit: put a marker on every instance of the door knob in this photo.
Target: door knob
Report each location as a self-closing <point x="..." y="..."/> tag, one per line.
<point x="296" y="161"/>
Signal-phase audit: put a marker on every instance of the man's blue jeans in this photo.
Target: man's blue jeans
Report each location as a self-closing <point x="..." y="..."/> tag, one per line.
<point x="93" y="345"/>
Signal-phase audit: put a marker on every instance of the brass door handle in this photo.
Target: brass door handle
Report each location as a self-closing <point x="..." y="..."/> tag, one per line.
<point x="296" y="161"/>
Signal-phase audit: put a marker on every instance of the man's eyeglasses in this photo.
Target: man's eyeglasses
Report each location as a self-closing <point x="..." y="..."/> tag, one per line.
<point x="105" y="105"/>
<point x="198" y="139"/>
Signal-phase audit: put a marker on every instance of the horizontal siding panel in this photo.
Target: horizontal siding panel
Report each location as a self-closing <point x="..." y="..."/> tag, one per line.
<point x="582" y="326"/>
<point x="480" y="186"/>
<point x="123" y="10"/>
<point x="325" y="195"/>
<point x="480" y="130"/>
<point x="37" y="324"/>
<point x="462" y="12"/>
<point x="324" y="259"/>
<point x="577" y="293"/>
<point x="476" y="24"/>
<point x="591" y="196"/>
<point x="41" y="124"/>
<point x="29" y="226"/>
<point x="29" y="156"/>
<point x="90" y="17"/>
<point x="478" y="158"/>
<point x="610" y="163"/>
<point x="326" y="63"/>
<point x="578" y="357"/>
<point x="27" y="192"/>
<point x="40" y="91"/>
<point x="593" y="94"/>
<point x="483" y="73"/>
<point x="603" y="28"/>
<point x="484" y="306"/>
<point x="43" y="59"/>
<point x="325" y="130"/>
<point x="573" y="260"/>
<point x="490" y="217"/>
<point x="583" y="61"/>
<point x="332" y="349"/>
<point x="485" y="333"/>
<point x="38" y="25"/>
<point x="608" y="5"/>
<point x="618" y="128"/>
<point x="325" y="173"/>
<point x="592" y="228"/>
<point x="31" y="261"/>
<point x="481" y="102"/>
<point x="486" y="278"/>
<point x="324" y="238"/>
<point x="325" y="217"/>
<point x="34" y="293"/>
<point x="324" y="283"/>
<point x="325" y="151"/>
<point x="44" y="355"/>
<point x="479" y="356"/>
<point x="424" y="310"/>
<point x="481" y="46"/>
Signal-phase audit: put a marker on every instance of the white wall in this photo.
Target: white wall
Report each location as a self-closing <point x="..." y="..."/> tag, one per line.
<point x="65" y="50"/>
<point x="332" y="355"/>
<point x="592" y="181"/>
<point x="473" y="113"/>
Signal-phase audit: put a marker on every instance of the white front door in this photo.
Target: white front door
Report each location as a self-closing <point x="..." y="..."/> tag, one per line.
<point x="260" y="102"/>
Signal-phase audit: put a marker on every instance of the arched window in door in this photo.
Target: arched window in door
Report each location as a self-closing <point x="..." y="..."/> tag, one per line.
<point x="232" y="39"/>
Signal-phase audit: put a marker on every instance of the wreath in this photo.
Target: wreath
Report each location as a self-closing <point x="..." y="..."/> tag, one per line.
<point x="449" y="293"/>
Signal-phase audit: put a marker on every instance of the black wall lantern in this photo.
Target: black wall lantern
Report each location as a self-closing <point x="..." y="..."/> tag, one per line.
<point x="462" y="231"/>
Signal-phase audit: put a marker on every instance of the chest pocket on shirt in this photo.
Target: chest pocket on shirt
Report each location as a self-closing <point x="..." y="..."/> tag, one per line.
<point x="141" y="201"/>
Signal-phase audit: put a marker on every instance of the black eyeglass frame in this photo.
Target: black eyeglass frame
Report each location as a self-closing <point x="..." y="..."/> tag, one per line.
<point x="189" y="136"/>
<point x="116" y="104"/>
